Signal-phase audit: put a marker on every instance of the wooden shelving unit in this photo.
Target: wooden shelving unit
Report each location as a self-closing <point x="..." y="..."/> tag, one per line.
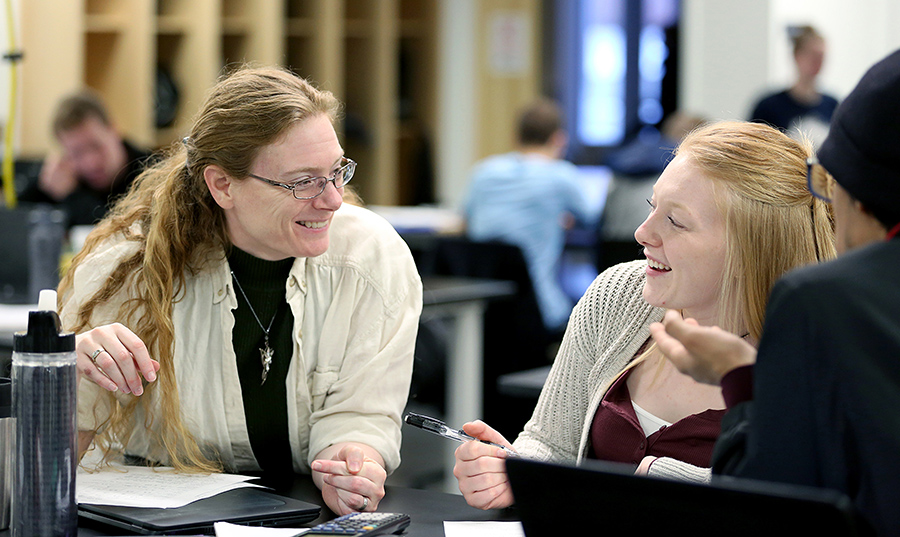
<point x="353" y="48"/>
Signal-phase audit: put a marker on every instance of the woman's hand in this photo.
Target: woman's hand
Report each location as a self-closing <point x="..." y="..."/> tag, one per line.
<point x="644" y="467"/>
<point x="114" y="358"/>
<point x="481" y="469"/>
<point x="706" y="353"/>
<point x="351" y="477"/>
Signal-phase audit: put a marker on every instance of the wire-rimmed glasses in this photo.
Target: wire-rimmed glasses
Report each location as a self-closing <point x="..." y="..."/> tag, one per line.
<point x="312" y="187"/>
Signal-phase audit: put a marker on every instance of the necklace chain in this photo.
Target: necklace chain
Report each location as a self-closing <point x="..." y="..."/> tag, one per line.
<point x="266" y="353"/>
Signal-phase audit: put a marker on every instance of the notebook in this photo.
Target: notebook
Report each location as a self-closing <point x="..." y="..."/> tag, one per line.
<point x="249" y="506"/>
<point x="554" y="499"/>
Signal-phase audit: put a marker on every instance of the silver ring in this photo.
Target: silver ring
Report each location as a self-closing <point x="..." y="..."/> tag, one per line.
<point x="95" y="354"/>
<point x="365" y="505"/>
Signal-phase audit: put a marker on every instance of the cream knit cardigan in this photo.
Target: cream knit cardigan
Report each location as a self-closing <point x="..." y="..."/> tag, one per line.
<point x="607" y="328"/>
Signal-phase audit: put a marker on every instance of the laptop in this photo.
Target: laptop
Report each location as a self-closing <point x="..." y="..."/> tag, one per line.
<point x="554" y="499"/>
<point x="248" y="506"/>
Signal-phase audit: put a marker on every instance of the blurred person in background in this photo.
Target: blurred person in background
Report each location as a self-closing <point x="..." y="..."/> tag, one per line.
<point x="529" y="198"/>
<point x="96" y="165"/>
<point x="801" y="110"/>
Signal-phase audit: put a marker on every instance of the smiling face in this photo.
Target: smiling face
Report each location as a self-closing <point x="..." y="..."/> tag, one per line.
<point x="267" y="221"/>
<point x="684" y="242"/>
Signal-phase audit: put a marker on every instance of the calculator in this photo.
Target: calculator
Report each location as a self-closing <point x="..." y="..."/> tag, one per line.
<point x="362" y="524"/>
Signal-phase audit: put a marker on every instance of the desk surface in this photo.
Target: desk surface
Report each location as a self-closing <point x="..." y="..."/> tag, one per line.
<point x="427" y="509"/>
<point x="439" y="290"/>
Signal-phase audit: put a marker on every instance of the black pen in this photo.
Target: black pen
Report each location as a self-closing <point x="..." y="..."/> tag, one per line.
<point x="440" y="428"/>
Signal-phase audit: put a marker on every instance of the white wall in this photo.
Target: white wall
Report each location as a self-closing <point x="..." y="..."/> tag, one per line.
<point x="857" y="34"/>
<point x="456" y="98"/>
<point x="724" y="56"/>
<point x="735" y="50"/>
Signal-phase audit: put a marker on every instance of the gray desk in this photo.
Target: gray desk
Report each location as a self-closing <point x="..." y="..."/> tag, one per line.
<point x="528" y="383"/>
<point x="462" y="301"/>
<point x="427" y="509"/>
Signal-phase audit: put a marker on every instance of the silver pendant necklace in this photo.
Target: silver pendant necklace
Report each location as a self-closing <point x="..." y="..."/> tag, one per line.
<point x="265" y="353"/>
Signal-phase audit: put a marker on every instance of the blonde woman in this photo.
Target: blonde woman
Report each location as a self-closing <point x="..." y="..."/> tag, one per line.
<point x="728" y="216"/>
<point x="273" y="326"/>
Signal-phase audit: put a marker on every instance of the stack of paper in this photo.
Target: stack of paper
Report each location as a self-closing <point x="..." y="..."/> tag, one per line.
<point x="140" y="486"/>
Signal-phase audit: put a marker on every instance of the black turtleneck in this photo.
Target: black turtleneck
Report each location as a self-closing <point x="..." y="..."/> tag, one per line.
<point x="265" y="405"/>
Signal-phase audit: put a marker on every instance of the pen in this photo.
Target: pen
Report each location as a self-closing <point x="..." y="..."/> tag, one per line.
<point x="440" y="428"/>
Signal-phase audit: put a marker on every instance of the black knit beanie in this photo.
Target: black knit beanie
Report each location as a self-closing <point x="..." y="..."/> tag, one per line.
<point x="862" y="150"/>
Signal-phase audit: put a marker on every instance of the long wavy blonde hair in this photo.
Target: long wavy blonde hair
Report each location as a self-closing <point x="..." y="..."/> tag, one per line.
<point x="772" y="222"/>
<point x="171" y="215"/>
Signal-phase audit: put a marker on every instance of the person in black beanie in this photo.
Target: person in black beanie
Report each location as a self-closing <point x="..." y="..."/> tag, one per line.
<point x="816" y="405"/>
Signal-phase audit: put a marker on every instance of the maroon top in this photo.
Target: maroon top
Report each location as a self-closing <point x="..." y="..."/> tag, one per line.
<point x="737" y="385"/>
<point x="616" y="433"/>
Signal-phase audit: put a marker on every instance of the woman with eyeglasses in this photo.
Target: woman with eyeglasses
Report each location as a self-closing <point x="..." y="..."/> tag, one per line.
<point x="234" y="314"/>
<point x="729" y="215"/>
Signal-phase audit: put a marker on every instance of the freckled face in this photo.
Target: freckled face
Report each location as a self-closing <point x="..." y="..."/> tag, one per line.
<point x="684" y="242"/>
<point x="266" y="220"/>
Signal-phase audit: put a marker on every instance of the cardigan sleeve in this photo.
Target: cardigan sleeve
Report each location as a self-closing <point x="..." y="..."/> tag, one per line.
<point x="670" y="468"/>
<point x="606" y="328"/>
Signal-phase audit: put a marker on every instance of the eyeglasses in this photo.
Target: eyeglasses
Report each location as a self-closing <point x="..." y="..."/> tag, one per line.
<point x="312" y="187"/>
<point x="819" y="181"/>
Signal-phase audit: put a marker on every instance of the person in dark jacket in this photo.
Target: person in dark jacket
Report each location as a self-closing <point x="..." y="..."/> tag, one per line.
<point x="800" y="110"/>
<point x="816" y="405"/>
<point x="96" y="165"/>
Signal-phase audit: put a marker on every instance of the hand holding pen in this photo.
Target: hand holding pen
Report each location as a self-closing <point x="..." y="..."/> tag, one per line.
<point x="481" y="469"/>
<point x="440" y="428"/>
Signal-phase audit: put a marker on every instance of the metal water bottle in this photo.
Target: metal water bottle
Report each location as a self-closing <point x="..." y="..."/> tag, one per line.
<point x="44" y="384"/>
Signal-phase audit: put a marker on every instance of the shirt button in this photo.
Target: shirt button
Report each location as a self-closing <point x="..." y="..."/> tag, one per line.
<point x="641" y="446"/>
<point x="293" y="282"/>
<point x="220" y="292"/>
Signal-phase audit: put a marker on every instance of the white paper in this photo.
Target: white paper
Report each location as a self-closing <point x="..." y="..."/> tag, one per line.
<point x="226" y="529"/>
<point x="140" y="486"/>
<point x="486" y="529"/>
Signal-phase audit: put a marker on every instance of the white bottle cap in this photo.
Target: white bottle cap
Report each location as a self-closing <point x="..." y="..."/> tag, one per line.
<point x="47" y="300"/>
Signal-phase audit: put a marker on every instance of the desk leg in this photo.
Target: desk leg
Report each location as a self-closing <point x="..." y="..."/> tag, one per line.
<point x="464" y="376"/>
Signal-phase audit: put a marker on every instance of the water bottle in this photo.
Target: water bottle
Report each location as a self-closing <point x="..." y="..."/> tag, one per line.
<point x="45" y="239"/>
<point x="44" y="385"/>
<point x="7" y="449"/>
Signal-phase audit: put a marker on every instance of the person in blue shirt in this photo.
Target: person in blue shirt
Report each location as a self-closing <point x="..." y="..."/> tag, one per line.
<point x="802" y="108"/>
<point x="529" y="198"/>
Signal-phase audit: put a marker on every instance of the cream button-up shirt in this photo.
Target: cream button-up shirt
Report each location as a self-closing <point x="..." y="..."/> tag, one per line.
<point x="356" y="310"/>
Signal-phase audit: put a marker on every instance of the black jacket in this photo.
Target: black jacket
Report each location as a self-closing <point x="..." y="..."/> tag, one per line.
<point x="826" y="397"/>
<point x="86" y="206"/>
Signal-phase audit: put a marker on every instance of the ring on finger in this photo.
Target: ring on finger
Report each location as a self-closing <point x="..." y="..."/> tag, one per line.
<point x="365" y="504"/>
<point x="95" y="354"/>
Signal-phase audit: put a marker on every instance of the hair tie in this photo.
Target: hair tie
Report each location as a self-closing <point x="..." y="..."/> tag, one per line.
<point x="186" y="141"/>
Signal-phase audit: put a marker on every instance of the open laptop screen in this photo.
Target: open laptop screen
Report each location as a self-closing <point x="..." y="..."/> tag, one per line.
<point x="554" y="499"/>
